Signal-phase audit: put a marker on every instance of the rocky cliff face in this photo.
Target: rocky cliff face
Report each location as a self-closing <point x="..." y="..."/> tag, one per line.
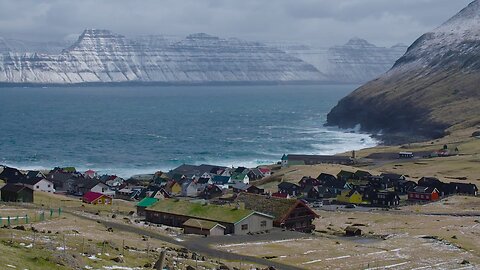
<point x="357" y="61"/>
<point x="100" y="56"/>
<point x="432" y="88"/>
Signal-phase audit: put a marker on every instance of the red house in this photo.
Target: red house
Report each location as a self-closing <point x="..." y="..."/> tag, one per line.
<point x="96" y="198"/>
<point x="423" y="194"/>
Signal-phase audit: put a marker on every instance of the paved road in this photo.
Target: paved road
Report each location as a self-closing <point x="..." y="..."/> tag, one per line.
<point x="192" y="245"/>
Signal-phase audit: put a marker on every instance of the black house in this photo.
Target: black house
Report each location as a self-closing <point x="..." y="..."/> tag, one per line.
<point x="16" y="193"/>
<point x="385" y="199"/>
<point x="443" y="188"/>
<point x="463" y="188"/>
<point x="309" y="181"/>
<point x="289" y="188"/>
<point x="404" y="186"/>
<point x="11" y="175"/>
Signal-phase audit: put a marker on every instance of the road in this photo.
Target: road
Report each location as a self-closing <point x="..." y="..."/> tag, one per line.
<point x="200" y="247"/>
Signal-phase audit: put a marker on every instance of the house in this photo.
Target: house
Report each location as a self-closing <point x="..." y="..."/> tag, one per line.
<point x="384" y="199"/>
<point x="442" y="188"/>
<point x="221" y="181"/>
<point x="464" y="188"/>
<point x="404" y="186"/>
<point x="290" y="214"/>
<point x="16" y="193"/>
<point x="160" y="194"/>
<point x="35" y="174"/>
<point x="420" y="193"/>
<point x="203" y="227"/>
<point x="290" y="160"/>
<point x="353" y="231"/>
<point x="405" y="155"/>
<point x="236" y="220"/>
<point x="62" y="182"/>
<point x="144" y="203"/>
<point x="241" y="187"/>
<point x="192" y="188"/>
<point x="255" y="174"/>
<point x="129" y="194"/>
<point x="96" y="198"/>
<point x="94" y="186"/>
<point x="39" y="184"/>
<point x="173" y="187"/>
<point x="393" y="177"/>
<point x="291" y="189"/>
<point x="11" y="174"/>
<point x="210" y="192"/>
<point x="90" y="174"/>
<point x="345" y="175"/>
<point x="311" y="193"/>
<point x="266" y="172"/>
<point x="334" y="185"/>
<point x="349" y="196"/>
<point x="309" y="181"/>
<point x="362" y="175"/>
<point x="239" y="178"/>
<point x="380" y="182"/>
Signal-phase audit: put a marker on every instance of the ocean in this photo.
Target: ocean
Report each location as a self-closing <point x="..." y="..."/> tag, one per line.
<point x="133" y="130"/>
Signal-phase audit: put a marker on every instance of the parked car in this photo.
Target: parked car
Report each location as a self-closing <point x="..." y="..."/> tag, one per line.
<point x="350" y="205"/>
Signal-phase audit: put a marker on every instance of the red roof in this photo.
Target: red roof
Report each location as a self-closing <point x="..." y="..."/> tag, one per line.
<point x="264" y="170"/>
<point x="91" y="196"/>
<point x="280" y="195"/>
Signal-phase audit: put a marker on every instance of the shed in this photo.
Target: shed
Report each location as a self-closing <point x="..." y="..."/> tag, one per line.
<point x="16" y="193"/>
<point x="146" y="202"/>
<point x="203" y="227"/>
<point x="353" y="231"/>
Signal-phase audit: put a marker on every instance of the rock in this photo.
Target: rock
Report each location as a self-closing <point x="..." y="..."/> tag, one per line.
<point x="191" y="268"/>
<point x="118" y="260"/>
<point x="20" y="228"/>
<point x="109" y="229"/>
<point x="223" y="267"/>
<point x="114" y="216"/>
<point x="476" y="134"/>
<point x="465" y="262"/>
<point x="147" y="265"/>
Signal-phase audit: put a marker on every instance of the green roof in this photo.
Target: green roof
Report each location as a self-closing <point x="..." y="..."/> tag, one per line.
<point x="201" y="211"/>
<point x="202" y="224"/>
<point x="146" y="202"/>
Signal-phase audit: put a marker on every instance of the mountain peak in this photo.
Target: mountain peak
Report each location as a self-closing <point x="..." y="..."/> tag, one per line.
<point x="202" y="36"/>
<point x="358" y="42"/>
<point x="466" y="21"/>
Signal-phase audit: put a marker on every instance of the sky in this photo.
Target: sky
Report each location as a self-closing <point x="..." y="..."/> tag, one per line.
<point x="320" y="22"/>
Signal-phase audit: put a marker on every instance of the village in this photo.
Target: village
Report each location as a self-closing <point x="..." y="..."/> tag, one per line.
<point x="216" y="201"/>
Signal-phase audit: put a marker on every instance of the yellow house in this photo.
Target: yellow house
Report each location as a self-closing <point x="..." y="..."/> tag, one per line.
<point x="350" y="196"/>
<point x="175" y="188"/>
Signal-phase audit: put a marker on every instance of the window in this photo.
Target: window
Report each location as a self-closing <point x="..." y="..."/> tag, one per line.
<point x="244" y="227"/>
<point x="48" y="185"/>
<point x="263" y="223"/>
<point x="38" y="186"/>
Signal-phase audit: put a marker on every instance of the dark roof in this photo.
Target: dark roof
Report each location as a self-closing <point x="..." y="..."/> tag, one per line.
<point x="241" y="186"/>
<point x="203" y="180"/>
<point x="11" y="174"/>
<point x="345" y="174"/>
<point x="326" y="177"/>
<point x="393" y="176"/>
<point x="420" y="189"/>
<point x="14" y="188"/>
<point x="288" y="185"/>
<point x="220" y="180"/>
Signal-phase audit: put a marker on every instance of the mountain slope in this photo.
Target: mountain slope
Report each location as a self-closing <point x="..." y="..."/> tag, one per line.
<point x="100" y="56"/>
<point x="434" y="87"/>
<point x="357" y="61"/>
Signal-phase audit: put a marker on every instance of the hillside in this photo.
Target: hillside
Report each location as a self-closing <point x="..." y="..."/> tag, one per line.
<point x="431" y="90"/>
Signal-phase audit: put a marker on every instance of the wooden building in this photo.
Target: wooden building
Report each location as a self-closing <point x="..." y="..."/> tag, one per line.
<point x="16" y="193"/>
<point x="203" y="227"/>
<point x="144" y="203"/>
<point x="423" y="194"/>
<point x="290" y="214"/>
<point x="175" y="213"/>
<point x="96" y="198"/>
<point x="289" y="160"/>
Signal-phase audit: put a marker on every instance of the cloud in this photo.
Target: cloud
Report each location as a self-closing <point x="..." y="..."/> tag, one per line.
<point x="328" y="22"/>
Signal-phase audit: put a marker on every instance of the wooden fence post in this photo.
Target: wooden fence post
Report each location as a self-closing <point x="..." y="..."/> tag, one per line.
<point x="161" y="261"/>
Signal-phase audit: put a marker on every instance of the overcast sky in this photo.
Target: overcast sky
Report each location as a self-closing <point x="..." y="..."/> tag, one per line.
<point x="325" y="22"/>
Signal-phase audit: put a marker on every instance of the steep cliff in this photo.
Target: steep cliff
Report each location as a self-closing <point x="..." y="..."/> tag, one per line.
<point x="434" y="87"/>
<point x="100" y="56"/>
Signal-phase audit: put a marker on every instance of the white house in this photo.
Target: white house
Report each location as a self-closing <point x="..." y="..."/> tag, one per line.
<point x="104" y="189"/>
<point x="41" y="184"/>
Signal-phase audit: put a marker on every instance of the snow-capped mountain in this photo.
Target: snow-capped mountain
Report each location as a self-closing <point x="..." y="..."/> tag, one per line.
<point x="100" y="56"/>
<point x="434" y="87"/>
<point x="357" y="61"/>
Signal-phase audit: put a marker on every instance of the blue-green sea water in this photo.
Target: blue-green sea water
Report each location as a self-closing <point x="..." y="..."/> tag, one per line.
<point x="130" y="130"/>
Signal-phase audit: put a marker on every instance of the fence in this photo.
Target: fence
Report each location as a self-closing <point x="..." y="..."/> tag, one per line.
<point x="25" y="219"/>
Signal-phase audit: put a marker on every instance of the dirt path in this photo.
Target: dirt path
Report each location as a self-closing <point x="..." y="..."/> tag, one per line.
<point x="196" y="246"/>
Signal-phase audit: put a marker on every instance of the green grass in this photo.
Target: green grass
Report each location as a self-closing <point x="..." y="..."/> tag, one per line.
<point x="197" y="210"/>
<point x="26" y="258"/>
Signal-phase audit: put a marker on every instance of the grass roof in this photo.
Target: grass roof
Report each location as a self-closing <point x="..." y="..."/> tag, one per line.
<point x="277" y="207"/>
<point x="146" y="202"/>
<point x="201" y="211"/>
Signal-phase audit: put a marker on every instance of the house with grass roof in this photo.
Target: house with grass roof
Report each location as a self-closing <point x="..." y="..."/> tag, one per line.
<point x="291" y="214"/>
<point x="236" y="220"/>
